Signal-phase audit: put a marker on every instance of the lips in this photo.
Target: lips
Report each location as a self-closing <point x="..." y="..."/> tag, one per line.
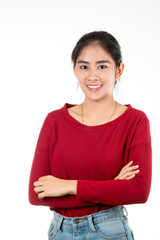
<point x="94" y="88"/>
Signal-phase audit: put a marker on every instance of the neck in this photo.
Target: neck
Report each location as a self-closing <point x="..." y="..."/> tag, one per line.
<point x="96" y="109"/>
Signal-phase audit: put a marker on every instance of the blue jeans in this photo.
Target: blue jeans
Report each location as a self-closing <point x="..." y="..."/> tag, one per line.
<point x="110" y="224"/>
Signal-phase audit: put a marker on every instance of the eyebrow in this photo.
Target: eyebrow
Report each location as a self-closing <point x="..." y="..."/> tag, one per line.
<point x="101" y="61"/>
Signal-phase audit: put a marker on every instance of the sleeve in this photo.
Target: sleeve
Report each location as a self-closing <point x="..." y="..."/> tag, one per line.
<point x="123" y="192"/>
<point x="41" y="167"/>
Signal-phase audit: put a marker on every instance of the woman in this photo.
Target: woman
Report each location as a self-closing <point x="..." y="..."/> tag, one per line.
<point x="95" y="157"/>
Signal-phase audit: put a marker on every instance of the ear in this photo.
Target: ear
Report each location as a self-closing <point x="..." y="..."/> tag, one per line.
<point x="119" y="71"/>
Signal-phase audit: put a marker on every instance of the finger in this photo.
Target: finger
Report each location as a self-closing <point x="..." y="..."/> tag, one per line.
<point x="42" y="178"/>
<point x="37" y="183"/>
<point x="132" y="171"/>
<point x="127" y="165"/>
<point x="41" y="195"/>
<point x="38" y="189"/>
<point x="129" y="169"/>
<point x="130" y="163"/>
<point x="132" y="176"/>
<point x="125" y="168"/>
<point x="136" y="171"/>
<point x="128" y="174"/>
<point x="133" y="167"/>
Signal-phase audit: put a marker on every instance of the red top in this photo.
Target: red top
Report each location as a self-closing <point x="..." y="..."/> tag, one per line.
<point x="93" y="155"/>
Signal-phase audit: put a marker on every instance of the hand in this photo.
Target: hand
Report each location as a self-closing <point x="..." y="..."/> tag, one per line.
<point x="50" y="186"/>
<point x="128" y="172"/>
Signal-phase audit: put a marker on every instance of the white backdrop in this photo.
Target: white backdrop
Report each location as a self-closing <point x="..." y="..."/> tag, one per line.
<point x="36" y="41"/>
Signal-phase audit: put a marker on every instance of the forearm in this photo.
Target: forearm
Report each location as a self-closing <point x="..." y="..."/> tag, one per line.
<point x="119" y="192"/>
<point x="68" y="200"/>
<point x="112" y="192"/>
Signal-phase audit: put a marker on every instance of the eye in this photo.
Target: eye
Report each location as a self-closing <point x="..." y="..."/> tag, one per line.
<point x="102" y="67"/>
<point x="83" y="67"/>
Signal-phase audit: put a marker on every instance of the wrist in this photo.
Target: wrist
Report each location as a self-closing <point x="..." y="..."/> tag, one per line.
<point x="73" y="187"/>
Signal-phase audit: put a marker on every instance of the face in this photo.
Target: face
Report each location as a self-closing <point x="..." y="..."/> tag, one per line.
<point x="96" y="72"/>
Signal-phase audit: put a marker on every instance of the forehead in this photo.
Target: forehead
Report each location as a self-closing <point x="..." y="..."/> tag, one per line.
<point x="94" y="52"/>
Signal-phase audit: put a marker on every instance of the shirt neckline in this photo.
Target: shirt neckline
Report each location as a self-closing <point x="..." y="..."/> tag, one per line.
<point x="83" y="126"/>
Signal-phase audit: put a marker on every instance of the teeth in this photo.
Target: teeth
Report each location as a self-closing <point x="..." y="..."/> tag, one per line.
<point x="94" y="86"/>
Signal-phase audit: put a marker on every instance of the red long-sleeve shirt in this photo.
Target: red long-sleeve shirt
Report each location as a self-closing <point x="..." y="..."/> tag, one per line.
<point x="93" y="155"/>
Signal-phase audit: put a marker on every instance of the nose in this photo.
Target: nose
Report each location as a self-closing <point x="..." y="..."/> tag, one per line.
<point x="93" y="78"/>
<point x="92" y="75"/>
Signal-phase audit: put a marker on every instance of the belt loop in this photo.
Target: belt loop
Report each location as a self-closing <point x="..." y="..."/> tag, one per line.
<point x="90" y="220"/>
<point x="125" y="211"/>
<point x="59" y="223"/>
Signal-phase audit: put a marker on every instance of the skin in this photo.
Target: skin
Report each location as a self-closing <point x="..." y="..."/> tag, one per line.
<point x="89" y="70"/>
<point x="97" y="106"/>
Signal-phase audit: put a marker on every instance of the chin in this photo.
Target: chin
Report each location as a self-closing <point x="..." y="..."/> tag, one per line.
<point x="94" y="98"/>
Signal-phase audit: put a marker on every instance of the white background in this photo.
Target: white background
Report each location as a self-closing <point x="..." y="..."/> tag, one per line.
<point x="36" y="41"/>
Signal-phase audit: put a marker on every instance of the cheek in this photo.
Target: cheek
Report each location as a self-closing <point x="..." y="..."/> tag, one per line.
<point x="81" y="77"/>
<point x="108" y="77"/>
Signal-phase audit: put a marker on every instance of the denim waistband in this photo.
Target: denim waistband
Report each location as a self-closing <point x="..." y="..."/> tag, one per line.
<point x="88" y="219"/>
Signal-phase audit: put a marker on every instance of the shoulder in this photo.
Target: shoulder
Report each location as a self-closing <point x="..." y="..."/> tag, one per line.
<point x="139" y="114"/>
<point x="54" y="115"/>
<point x="141" y="127"/>
<point x="139" y="120"/>
<point x="56" y="112"/>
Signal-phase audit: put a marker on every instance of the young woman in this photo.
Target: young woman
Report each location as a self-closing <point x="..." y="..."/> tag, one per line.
<point x="92" y="158"/>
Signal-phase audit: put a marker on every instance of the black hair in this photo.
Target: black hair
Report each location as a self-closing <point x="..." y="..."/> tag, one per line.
<point x="104" y="39"/>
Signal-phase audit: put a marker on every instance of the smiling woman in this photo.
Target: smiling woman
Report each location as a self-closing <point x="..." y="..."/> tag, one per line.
<point x="95" y="157"/>
<point x="96" y="74"/>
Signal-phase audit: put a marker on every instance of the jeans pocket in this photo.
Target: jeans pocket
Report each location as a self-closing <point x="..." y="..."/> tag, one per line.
<point x="52" y="230"/>
<point x="111" y="229"/>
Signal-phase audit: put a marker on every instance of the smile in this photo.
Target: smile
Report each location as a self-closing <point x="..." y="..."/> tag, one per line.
<point x="94" y="88"/>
